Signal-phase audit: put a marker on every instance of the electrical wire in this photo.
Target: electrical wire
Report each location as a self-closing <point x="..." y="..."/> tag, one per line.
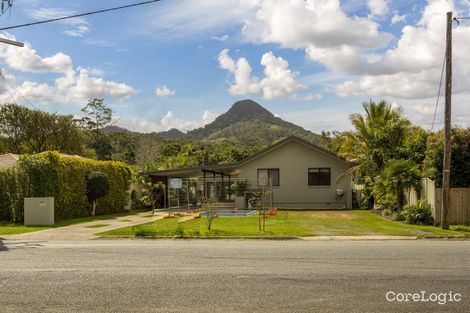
<point x="9" y="91"/>
<point x="9" y="85"/>
<point x="439" y="91"/>
<point x="79" y="15"/>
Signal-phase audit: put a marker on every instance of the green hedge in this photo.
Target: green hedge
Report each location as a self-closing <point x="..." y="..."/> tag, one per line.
<point x="11" y="209"/>
<point x="50" y="174"/>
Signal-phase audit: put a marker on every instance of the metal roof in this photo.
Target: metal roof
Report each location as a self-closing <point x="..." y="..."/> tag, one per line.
<point x="8" y="160"/>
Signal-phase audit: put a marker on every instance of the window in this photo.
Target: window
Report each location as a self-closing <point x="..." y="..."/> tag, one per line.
<point x="319" y="176"/>
<point x="268" y="174"/>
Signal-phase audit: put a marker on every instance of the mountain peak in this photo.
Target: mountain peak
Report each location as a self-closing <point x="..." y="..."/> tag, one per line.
<point x="248" y="107"/>
<point x="245" y="110"/>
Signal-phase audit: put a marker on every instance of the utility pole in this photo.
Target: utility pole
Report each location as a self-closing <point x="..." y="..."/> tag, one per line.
<point x="11" y="42"/>
<point x="447" y="128"/>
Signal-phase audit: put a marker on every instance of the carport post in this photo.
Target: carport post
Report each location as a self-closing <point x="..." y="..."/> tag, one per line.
<point x="187" y="192"/>
<point x="169" y="193"/>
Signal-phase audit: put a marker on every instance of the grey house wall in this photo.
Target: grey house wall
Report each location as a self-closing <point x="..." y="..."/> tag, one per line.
<point x="293" y="160"/>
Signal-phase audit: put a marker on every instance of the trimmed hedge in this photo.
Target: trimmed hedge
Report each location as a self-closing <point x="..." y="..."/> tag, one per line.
<point x="50" y="174"/>
<point x="11" y="209"/>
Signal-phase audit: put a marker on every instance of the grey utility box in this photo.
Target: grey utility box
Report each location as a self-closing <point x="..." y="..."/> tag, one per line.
<point x="39" y="211"/>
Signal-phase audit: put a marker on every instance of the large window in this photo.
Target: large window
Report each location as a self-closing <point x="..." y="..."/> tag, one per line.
<point x="268" y="174"/>
<point x="319" y="176"/>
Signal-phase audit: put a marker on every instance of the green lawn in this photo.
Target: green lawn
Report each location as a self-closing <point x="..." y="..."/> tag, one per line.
<point x="298" y="223"/>
<point x="11" y="229"/>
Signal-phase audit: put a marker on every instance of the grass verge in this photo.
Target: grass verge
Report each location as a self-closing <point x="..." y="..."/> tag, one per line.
<point x="299" y="223"/>
<point x="13" y="229"/>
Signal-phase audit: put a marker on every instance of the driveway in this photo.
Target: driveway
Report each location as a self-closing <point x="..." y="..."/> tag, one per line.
<point x="230" y="276"/>
<point x="87" y="231"/>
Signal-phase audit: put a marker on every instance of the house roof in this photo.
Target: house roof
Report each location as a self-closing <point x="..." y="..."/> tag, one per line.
<point x="289" y="139"/>
<point x="231" y="166"/>
<point x="8" y="160"/>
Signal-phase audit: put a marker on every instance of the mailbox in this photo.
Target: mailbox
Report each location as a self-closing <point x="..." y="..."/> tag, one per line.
<point x="39" y="211"/>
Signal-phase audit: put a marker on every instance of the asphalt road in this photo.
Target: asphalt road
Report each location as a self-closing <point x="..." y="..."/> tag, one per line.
<point x="231" y="276"/>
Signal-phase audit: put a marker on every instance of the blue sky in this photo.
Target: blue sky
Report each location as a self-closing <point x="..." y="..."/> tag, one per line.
<point x="180" y="63"/>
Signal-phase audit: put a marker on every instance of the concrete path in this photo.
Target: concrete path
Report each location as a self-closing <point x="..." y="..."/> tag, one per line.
<point x="84" y="231"/>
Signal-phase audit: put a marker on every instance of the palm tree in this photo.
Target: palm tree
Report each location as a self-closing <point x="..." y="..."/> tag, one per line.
<point x="398" y="176"/>
<point x="378" y="136"/>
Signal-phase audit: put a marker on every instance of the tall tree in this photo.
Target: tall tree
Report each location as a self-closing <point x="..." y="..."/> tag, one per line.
<point x="12" y="119"/>
<point x="97" y="116"/>
<point x="378" y="137"/>
<point x="460" y="157"/>
<point x="34" y="131"/>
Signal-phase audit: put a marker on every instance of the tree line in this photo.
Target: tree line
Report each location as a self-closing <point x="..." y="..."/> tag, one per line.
<point x="390" y="154"/>
<point x="28" y="131"/>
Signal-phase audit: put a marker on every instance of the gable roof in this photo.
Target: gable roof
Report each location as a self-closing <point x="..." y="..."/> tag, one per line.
<point x="231" y="166"/>
<point x="8" y="160"/>
<point x="296" y="139"/>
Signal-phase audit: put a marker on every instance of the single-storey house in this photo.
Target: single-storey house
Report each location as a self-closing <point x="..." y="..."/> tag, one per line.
<point x="299" y="173"/>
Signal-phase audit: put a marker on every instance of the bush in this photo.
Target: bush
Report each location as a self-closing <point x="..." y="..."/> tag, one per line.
<point x="50" y="174"/>
<point x="419" y="213"/>
<point x="97" y="186"/>
<point x="136" y="201"/>
<point x="10" y="195"/>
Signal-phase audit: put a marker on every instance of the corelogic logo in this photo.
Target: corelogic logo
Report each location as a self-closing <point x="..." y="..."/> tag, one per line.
<point x="423" y="296"/>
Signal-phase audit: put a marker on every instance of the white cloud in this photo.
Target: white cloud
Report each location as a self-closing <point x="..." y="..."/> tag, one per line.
<point x="164" y="91"/>
<point x="279" y="80"/>
<point x="178" y="20"/>
<point x="79" y="26"/>
<point x="378" y="7"/>
<point x="412" y="69"/>
<point x="244" y="84"/>
<point x="332" y="117"/>
<point x="105" y="43"/>
<point x="313" y="97"/>
<point x="168" y="121"/>
<point x="317" y="23"/>
<point x="26" y="59"/>
<point x="73" y="85"/>
<point x="397" y="18"/>
<point x="222" y="38"/>
<point x="84" y="87"/>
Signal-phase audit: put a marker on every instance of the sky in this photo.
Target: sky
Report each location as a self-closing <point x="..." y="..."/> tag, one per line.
<point x="181" y="63"/>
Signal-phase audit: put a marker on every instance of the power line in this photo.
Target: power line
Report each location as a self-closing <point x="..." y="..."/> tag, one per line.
<point x="438" y="92"/>
<point x="9" y="91"/>
<point x="79" y="15"/>
<point x="7" y="83"/>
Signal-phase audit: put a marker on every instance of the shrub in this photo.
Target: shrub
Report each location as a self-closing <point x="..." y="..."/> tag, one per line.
<point x="419" y="213"/>
<point x="10" y="195"/>
<point x="136" y="200"/>
<point x="50" y="174"/>
<point x="97" y="186"/>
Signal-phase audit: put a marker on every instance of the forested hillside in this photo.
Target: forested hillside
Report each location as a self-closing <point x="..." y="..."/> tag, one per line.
<point x="243" y="130"/>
